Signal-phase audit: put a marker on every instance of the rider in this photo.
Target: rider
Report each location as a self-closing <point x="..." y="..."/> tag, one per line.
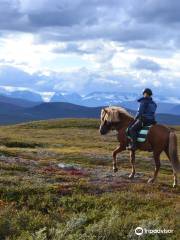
<point x="145" y="116"/>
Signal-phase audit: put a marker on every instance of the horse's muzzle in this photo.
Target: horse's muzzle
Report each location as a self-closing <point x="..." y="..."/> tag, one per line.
<point x="103" y="130"/>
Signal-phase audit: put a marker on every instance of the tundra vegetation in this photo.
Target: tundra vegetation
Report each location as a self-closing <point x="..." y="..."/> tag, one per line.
<point x="83" y="200"/>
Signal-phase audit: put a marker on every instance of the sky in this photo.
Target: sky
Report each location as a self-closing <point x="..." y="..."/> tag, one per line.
<point x="90" y="45"/>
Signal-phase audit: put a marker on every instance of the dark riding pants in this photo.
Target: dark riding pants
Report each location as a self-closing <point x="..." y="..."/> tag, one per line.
<point x="134" y="129"/>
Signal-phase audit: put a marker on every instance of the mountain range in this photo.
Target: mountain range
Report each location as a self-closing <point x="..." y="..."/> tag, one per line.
<point x="11" y="113"/>
<point x="23" y="106"/>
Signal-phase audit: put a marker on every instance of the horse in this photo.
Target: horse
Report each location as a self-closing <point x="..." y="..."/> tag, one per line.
<point x="160" y="138"/>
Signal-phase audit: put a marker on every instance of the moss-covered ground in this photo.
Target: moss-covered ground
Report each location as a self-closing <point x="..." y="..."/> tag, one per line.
<point x="85" y="200"/>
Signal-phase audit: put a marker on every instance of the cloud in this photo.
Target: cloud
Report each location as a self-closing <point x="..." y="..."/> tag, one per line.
<point x="123" y="21"/>
<point x="162" y="11"/>
<point x="84" y="81"/>
<point x="72" y="48"/>
<point x="85" y="45"/>
<point x="146" y="64"/>
<point x="13" y="76"/>
<point x="81" y="80"/>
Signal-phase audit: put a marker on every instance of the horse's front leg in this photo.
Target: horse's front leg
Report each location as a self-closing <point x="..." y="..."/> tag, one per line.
<point x="115" y="152"/>
<point x="132" y="160"/>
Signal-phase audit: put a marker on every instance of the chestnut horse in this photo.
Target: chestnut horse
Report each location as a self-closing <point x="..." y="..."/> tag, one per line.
<point x="160" y="138"/>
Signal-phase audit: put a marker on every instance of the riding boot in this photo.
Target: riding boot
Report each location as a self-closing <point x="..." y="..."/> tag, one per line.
<point x="133" y="132"/>
<point x="133" y="144"/>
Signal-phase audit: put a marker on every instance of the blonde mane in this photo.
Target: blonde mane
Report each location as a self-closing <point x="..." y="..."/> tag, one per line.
<point x="112" y="114"/>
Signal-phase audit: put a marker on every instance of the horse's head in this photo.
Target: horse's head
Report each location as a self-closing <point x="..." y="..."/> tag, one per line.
<point x="109" y="116"/>
<point x="113" y="118"/>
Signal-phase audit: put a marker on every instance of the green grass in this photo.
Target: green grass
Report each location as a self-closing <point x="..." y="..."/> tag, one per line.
<point x="40" y="201"/>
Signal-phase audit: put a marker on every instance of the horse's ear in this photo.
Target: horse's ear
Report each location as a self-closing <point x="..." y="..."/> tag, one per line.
<point x="103" y="113"/>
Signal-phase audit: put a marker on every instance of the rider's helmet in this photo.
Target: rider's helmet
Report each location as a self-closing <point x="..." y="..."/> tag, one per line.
<point x="148" y="91"/>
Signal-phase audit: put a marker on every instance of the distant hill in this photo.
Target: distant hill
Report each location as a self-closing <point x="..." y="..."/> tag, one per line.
<point x="63" y="110"/>
<point x="17" y="101"/>
<point x="168" y="119"/>
<point x="10" y="113"/>
<point x="7" y="108"/>
<point x="176" y="109"/>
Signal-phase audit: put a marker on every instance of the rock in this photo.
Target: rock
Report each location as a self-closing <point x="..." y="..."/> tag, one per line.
<point x="69" y="166"/>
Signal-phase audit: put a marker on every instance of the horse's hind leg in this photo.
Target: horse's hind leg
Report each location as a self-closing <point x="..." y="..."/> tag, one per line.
<point x="115" y="152"/>
<point x="175" y="182"/>
<point x="132" y="160"/>
<point x="157" y="167"/>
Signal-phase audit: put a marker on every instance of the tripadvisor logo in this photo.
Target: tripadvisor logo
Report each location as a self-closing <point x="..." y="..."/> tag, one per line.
<point x="139" y="231"/>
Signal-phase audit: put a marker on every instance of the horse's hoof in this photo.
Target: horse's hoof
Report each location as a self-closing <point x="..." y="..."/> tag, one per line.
<point x="115" y="170"/>
<point x="150" y="180"/>
<point x="131" y="176"/>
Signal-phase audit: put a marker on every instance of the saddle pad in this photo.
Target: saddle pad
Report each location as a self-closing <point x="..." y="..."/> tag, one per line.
<point x="142" y="134"/>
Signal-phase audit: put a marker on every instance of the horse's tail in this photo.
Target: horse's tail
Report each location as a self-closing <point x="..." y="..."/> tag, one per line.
<point x="173" y="152"/>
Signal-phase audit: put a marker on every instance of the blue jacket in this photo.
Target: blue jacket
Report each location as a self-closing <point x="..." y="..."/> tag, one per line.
<point x="147" y="108"/>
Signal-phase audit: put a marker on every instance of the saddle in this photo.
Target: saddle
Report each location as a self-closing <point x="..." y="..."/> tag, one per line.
<point x="142" y="134"/>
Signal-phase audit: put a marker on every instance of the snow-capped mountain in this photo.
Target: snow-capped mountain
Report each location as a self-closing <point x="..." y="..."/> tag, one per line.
<point x="127" y="100"/>
<point x="94" y="99"/>
<point x="107" y="98"/>
<point x="67" y="97"/>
